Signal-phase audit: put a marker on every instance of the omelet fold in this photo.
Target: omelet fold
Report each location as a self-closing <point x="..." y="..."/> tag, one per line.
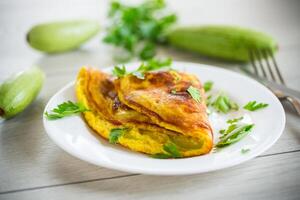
<point x="163" y="96"/>
<point x="144" y="108"/>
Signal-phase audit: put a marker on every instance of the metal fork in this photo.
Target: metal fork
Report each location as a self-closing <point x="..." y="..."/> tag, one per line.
<point x="265" y="66"/>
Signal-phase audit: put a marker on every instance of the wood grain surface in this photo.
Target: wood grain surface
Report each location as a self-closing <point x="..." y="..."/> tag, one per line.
<point x="33" y="167"/>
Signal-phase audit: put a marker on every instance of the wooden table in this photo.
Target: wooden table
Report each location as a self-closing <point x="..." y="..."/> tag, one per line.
<point x="33" y="167"/>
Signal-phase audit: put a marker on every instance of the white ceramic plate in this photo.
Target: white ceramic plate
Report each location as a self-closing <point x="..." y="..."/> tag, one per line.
<point x="74" y="136"/>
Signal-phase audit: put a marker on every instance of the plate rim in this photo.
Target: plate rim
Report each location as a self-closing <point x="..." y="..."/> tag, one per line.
<point x="156" y="171"/>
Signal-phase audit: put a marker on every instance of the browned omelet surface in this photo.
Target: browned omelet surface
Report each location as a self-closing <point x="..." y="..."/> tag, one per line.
<point x="176" y="110"/>
<point x="100" y="89"/>
<point x="152" y="114"/>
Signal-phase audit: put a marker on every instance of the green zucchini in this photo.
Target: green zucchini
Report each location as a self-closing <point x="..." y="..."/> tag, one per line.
<point x="224" y="42"/>
<point x="61" y="36"/>
<point x="17" y="92"/>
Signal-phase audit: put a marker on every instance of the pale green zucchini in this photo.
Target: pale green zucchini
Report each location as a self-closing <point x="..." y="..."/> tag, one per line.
<point x="223" y="42"/>
<point x="61" y="36"/>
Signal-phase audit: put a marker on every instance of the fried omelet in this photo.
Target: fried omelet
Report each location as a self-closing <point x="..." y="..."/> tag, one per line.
<point x="154" y="112"/>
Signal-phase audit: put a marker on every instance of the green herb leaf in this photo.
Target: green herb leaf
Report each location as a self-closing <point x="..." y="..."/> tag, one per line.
<point x="150" y="65"/>
<point x="222" y="131"/>
<point x="208" y="85"/>
<point x="195" y="93"/>
<point x="148" y="51"/>
<point x="231" y="121"/>
<point x="65" y="109"/>
<point x="244" y="151"/>
<point x="235" y="135"/>
<point x="253" y="105"/>
<point x="154" y="64"/>
<point x="230" y="128"/>
<point x="224" y="104"/>
<point x="135" y="26"/>
<point x="171" y="148"/>
<point x="115" y="134"/>
<point x="119" y="71"/>
<point x="138" y="74"/>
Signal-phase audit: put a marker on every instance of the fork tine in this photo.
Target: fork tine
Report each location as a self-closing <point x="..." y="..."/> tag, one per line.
<point x="259" y="60"/>
<point x="252" y="60"/>
<point x="265" y="55"/>
<point x="276" y="66"/>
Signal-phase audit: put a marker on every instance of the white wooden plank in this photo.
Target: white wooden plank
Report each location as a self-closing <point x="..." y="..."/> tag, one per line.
<point x="274" y="177"/>
<point x="27" y="156"/>
<point x="26" y="150"/>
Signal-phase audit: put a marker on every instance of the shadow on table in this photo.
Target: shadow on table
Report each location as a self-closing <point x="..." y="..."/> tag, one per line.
<point x="69" y="62"/>
<point x="292" y="121"/>
<point x="53" y="64"/>
<point x="22" y="139"/>
<point x="181" y="55"/>
<point x="21" y="135"/>
<point x="144" y="185"/>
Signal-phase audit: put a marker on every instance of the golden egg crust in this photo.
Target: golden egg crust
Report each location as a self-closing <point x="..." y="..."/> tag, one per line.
<point x="164" y="98"/>
<point x="101" y="93"/>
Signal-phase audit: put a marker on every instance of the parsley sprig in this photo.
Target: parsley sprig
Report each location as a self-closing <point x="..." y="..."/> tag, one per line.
<point x="115" y="134"/>
<point x="171" y="152"/>
<point x="253" y="106"/>
<point x="150" y="65"/>
<point x="234" y="132"/>
<point x="235" y="120"/>
<point x="65" y="109"/>
<point x="119" y="71"/>
<point x="171" y="148"/>
<point x="208" y="86"/>
<point x="195" y="93"/>
<point x="137" y="28"/>
<point x="224" y="104"/>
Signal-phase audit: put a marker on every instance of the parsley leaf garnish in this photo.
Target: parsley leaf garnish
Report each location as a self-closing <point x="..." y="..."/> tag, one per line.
<point x="136" y="29"/>
<point x="65" y="109"/>
<point x="208" y="85"/>
<point x="231" y="121"/>
<point x="138" y="74"/>
<point x="223" y="104"/>
<point x="227" y="131"/>
<point x="115" y="134"/>
<point x="150" y="65"/>
<point x="236" y="133"/>
<point x="171" y="148"/>
<point x="154" y="64"/>
<point x="119" y="71"/>
<point x="253" y="105"/>
<point x="171" y="152"/>
<point x="195" y="93"/>
<point x="148" y="51"/>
